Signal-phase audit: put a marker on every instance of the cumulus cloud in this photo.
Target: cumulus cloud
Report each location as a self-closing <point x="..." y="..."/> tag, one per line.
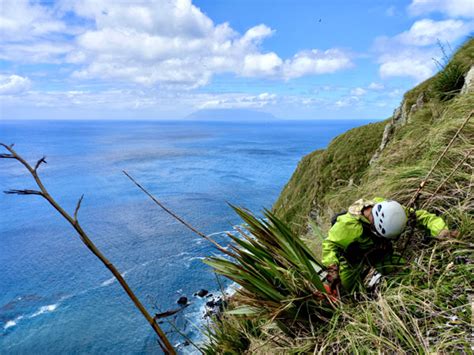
<point x="376" y="86"/>
<point x="412" y="53"/>
<point x="32" y="33"/>
<point x="20" y="20"/>
<point x="451" y="8"/>
<point x="358" y="92"/>
<point x="13" y="84"/>
<point x="261" y="64"/>
<point x="417" y="68"/>
<point x="174" y="43"/>
<point x="239" y="101"/>
<point x="316" y="62"/>
<point x="426" y="32"/>
<point x="157" y="42"/>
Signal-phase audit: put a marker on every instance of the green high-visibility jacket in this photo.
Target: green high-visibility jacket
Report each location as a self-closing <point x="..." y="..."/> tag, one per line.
<point x="349" y="229"/>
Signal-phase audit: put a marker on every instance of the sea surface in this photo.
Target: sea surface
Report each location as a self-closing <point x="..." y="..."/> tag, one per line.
<point x="55" y="296"/>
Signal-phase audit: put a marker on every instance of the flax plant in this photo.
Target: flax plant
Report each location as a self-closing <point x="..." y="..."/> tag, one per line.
<point x="279" y="275"/>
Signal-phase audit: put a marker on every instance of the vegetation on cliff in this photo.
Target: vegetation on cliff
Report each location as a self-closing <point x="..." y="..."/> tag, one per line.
<point x="426" y="309"/>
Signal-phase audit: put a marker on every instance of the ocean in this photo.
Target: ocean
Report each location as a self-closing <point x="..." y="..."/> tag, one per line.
<point x="55" y="296"/>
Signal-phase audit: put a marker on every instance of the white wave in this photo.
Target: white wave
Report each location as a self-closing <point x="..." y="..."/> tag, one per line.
<point x="108" y="282"/>
<point x="183" y="253"/>
<point x="12" y="323"/>
<point x="196" y="258"/>
<point x="219" y="233"/>
<point x="42" y="310"/>
<point x="45" y="309"/>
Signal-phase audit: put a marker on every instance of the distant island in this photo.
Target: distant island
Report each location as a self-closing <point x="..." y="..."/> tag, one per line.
<point x="245" y="115"/>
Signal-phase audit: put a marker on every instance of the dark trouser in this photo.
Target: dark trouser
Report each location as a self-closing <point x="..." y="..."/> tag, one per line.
<point x="352" y="274"/>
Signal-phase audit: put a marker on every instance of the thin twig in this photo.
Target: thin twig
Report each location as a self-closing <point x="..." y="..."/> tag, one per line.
<point x="39" y="162"/>
<point x="423" y="182"/>
<point x="23" y="192"/>
<point x="466" y="156"/>
<point x="163" y="340"/>
<point x="78" y="206"/>
<point x="170" y="313"/>
<point x="178" y="218"/>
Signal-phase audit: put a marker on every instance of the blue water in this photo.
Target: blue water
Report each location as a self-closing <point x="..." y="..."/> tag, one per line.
<point x="55" y="296"/>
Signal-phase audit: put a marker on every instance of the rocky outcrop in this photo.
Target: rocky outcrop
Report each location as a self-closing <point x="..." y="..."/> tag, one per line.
<point x="468" y="86"/>
<point x="400" y="117"/>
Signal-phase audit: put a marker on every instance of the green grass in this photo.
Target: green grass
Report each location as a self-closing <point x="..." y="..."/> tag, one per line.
<point x="424" y="310"/>
<point x="321" y="172"/>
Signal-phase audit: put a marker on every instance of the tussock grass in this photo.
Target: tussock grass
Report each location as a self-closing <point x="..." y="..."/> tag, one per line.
<point x="426" y="308"/>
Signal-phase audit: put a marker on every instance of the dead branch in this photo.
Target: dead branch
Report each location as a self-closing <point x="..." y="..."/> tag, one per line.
<point x="170" y="312"/>
<point x="78" y="206"/>
<point x="178" y="218"/>
<point x="163" y="340"/>
<point x="23" y="192"/>
<point x="39" y="162"/>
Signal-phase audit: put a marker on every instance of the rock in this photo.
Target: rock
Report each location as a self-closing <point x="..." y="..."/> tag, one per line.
<point x="201" y="293"/>
<point x="468" y="82"/>
<point x="387" y="134"/>
<point x="419" y="103"/>
<point x="215" y="307"/>
<point x="400" y="115"/>
<point x="209" y="295"/>
<point x="182" y="301"/>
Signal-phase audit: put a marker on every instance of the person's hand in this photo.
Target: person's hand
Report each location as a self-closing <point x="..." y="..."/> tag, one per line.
<point x="445" y="233"/>
<point x="333" y="276"/>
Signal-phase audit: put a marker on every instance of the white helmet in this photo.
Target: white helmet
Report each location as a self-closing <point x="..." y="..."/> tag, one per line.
<point x="390" y="219"/>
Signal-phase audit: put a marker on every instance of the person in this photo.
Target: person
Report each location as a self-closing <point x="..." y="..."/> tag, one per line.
<point x="362" y="238"/>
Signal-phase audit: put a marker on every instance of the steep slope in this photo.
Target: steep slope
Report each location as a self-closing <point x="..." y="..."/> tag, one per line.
<point x="428" y="308"/>
<point x="382" y="158"/>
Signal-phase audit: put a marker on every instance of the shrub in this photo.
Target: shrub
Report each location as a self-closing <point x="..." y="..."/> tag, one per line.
<point x="449" y="81"/>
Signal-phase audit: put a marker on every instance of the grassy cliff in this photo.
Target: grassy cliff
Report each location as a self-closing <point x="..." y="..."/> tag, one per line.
<point x="425" y="310"/>
<point x="327" y="181"/>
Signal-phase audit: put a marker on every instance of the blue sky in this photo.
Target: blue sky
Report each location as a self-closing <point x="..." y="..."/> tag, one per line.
<point x="164" y="59"/>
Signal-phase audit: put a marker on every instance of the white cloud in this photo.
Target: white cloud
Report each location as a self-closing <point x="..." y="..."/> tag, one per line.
<point x="13" y="84"/>
<point x="174" y="43"/>
<point x="348" y="101"/>
<point x="358" y="92"/>
<point x="376" y="86"/>
<point x="316" y="62"/>
<point x="31" y="32"/>
<point x="452" y="8"/>
<point x="261" y="64"/>
<point x="413" y="53"/>
<point x="20" y="20"/>
<point x="158" y="42"/>
<point x="426" y="32"/>
<point x="416" y="68"/>
<point x="239" y="101"/>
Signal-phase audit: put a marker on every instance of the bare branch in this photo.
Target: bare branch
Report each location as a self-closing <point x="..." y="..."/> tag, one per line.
<point x="23" y="192"/>
<point x="39" y="162"/>
<point x="178" y="218"/>
<point x="7" y="146"/>
<point x="163" y="341"/>
<point x="78" y="206"/>
<point x="7" y="156"/>
<point x="170" y="312"/>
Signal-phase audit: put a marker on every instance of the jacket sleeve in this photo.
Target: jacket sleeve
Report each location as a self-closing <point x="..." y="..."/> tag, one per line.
<point x="430" y="221"/>
<point x="344" y="232"/>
